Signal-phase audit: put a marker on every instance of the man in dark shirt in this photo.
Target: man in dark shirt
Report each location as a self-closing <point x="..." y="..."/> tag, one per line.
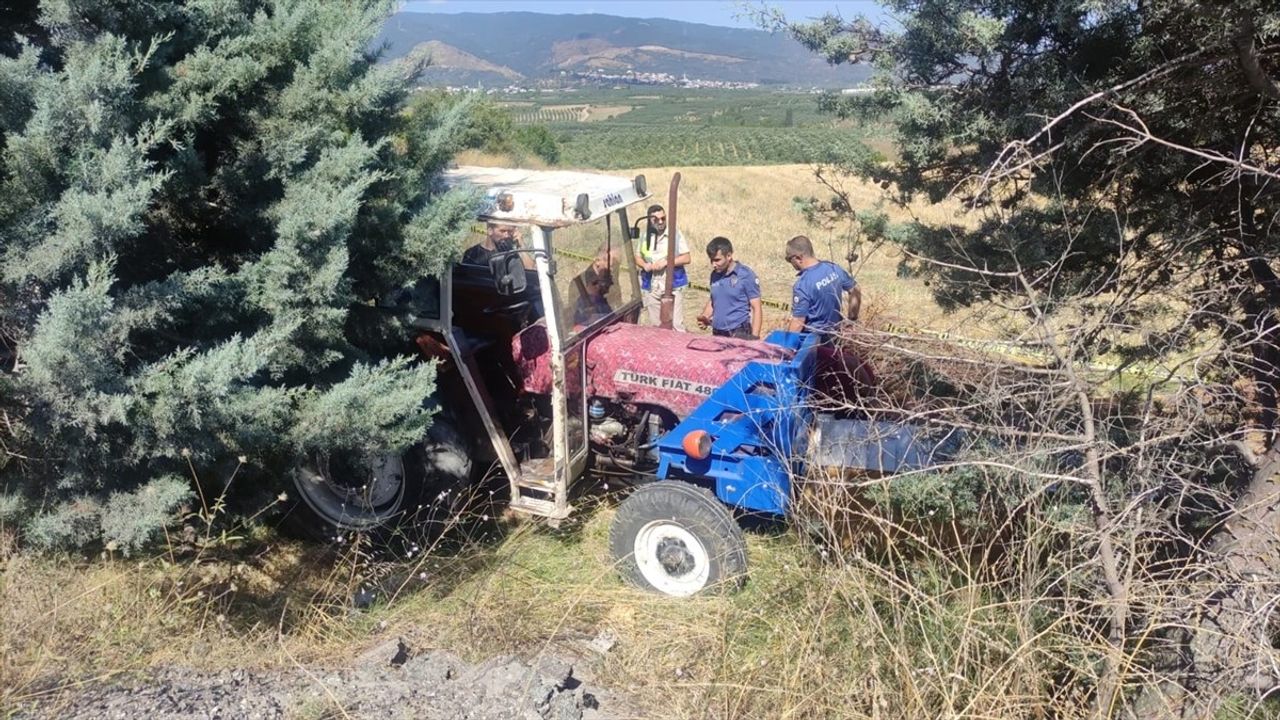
<point x="497" y="239"/>
<point x="734" y="307"/>
<point x="819" y="290"/>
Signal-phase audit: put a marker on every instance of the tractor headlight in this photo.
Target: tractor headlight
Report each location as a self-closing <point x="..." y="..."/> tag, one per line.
<point x="697" y="444"/>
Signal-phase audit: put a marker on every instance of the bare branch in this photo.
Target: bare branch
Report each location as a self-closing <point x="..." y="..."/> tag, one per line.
<point x="1141" y="133"/>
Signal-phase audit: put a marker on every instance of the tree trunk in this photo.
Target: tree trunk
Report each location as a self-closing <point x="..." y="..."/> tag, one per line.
<point x="1227" y="648"/>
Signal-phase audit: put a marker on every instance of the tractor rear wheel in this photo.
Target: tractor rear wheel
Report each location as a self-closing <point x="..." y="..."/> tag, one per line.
<point x="677" y="539"/>
<point x="340" y="493"/>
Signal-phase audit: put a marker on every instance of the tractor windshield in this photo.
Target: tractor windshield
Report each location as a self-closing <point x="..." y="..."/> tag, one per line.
<point x="595" y="272"/>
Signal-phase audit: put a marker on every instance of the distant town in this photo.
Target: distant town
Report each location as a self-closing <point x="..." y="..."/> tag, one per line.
<point x="599" y="77"/>
<point x="569" y="81"/>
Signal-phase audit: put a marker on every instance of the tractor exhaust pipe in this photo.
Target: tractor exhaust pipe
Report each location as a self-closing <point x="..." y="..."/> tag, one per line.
<point x="667" y="309"/>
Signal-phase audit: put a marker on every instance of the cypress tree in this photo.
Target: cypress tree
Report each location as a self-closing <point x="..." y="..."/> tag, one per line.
<point x="196" y="200"/>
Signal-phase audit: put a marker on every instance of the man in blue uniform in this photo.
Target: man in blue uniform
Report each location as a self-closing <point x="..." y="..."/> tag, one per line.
<point x="734" y="307"/>
<point x="819" y="291"/>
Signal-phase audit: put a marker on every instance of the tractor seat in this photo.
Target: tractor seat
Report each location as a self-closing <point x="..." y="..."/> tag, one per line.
<point x="531" y="353"/>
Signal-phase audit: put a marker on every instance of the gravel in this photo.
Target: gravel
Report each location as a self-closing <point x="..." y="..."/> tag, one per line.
<point x="390" y="681"/>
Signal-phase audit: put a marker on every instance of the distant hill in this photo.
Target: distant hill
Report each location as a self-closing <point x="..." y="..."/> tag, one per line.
<point x="447" y="58"/>
<point x="499" y="48"/>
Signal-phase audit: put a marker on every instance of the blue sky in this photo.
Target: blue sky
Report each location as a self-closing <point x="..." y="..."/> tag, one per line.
<point x="710" y="12"/>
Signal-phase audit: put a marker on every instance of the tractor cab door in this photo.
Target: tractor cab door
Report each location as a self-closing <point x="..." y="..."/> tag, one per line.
<point x="541" y="487"/>
<point x="587" y="283"/>
<point x="431" y="306"/>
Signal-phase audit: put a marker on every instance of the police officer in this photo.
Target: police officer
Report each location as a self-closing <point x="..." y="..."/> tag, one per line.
<point x="734" y="307"/>
<point x="651" y="259"/>
<point x="819" y="290"/>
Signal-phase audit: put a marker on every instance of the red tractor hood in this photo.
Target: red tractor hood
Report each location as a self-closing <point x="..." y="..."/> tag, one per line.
<point x="646" y="365"/>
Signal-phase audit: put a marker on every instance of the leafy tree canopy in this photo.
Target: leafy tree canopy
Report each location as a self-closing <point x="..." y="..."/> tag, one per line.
<point x="490" y="127"/>
<point x="1106" y="143"/>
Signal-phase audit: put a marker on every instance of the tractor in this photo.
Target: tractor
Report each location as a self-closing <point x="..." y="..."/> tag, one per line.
<point x="545" y="370"/>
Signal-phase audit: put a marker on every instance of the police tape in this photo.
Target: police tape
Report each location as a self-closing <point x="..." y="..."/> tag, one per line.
<point x="1007" y="346"/>
<point x="767" y="302"/>
<point x="1026" y="353"/>
<point x="574" y="255"/>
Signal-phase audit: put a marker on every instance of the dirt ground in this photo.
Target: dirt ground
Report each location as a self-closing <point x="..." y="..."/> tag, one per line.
<point x="390" y="681"/>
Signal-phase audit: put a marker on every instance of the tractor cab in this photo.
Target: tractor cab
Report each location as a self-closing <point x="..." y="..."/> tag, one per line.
<point x="548" y="265"/>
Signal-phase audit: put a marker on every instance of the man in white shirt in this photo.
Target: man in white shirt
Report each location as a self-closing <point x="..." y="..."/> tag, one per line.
<point x="651" y="259"/>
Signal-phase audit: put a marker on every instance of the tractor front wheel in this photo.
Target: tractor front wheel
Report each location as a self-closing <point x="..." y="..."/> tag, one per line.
<point x="677" y="539"/>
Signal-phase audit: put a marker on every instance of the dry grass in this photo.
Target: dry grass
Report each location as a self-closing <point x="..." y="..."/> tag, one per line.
<point x="754" y="208"/>
<point x="583" y="113"/>
<point x="806" y="638"/>
<point x="476" y="157"/>
<point x="596" y="113"/>
<point x="67" y="620"/>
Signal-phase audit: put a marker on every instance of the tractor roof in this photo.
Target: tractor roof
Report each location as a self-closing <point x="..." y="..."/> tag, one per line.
<point x="551" y="198"/>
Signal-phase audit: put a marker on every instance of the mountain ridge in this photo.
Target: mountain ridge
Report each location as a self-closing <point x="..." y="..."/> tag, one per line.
<point x="538" y="46"/>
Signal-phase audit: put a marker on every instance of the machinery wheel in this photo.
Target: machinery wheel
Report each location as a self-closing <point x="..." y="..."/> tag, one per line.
<point x="444" y="459"/>
<point x="677" y="539"/>
<point x="344" y="492"/>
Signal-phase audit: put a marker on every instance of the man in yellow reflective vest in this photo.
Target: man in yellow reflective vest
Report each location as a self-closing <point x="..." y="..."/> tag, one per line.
<point x="651" y="259"/>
